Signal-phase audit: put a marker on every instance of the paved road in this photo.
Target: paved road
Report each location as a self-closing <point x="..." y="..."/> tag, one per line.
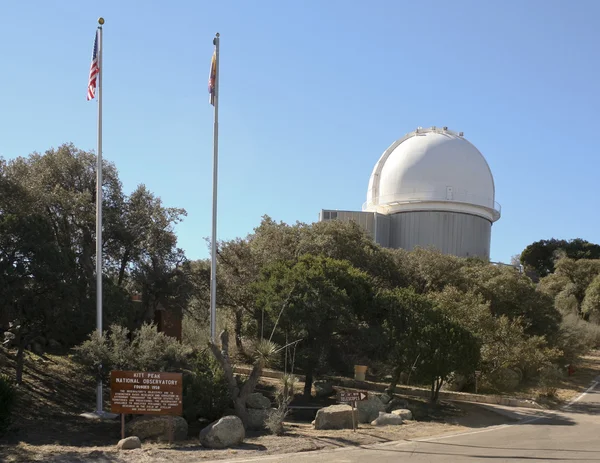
<point x="571" y="435"/>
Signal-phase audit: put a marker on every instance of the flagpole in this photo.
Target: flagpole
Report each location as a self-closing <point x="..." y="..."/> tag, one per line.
<point x="99" y="211"/>
<point x="213" y="266"/>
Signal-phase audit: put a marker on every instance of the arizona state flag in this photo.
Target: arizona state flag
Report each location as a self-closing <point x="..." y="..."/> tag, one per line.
<point x="212" y="78"/>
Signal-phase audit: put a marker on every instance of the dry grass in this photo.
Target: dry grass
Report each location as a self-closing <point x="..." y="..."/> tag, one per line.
<point x="568" y="387"/>
<point x="49" y="428"/>
<point x="299" y="437"/>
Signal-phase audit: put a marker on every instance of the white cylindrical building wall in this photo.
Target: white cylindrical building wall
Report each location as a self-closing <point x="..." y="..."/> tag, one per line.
<point x="462" y="235"/>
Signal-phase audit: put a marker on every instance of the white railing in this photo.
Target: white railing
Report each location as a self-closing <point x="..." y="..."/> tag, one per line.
<point x="412" y="196"/>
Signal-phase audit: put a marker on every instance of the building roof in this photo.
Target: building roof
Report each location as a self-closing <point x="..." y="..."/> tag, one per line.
<point x="432" y="169"/>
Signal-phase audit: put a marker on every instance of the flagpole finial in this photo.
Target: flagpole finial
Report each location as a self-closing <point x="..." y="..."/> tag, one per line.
<point x="101" y="20"/>
<point x="218" y="35"/>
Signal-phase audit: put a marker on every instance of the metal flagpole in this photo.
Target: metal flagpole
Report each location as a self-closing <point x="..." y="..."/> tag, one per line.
<point x="99" y="211"/>
<point x="213" y="267"/>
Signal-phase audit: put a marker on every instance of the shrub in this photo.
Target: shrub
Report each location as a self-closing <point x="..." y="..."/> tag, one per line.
<point x="8" y="396"/>
<point x="285" y="394"/>
<point x="205" y="392"/>
<point x="274" y="421"/>
<point x="548" y="381"/>
<point x="148" y="350"/>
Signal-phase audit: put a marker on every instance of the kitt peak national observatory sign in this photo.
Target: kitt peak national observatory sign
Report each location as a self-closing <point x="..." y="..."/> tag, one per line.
<point x="144" y="393"/>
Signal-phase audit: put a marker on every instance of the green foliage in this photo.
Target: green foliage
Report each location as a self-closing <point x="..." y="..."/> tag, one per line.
<point x="148" y="350"/>
<point x="422" y="336"/>
<point x="317" y="300"/>
<point x="47" y="247"/>
<point x="205" y="392"/>
<point x="504" y="342"/>
<point x="548" y="381"/>
<point x="8" y="397"/>
<point x="577" y="337"/>
<point x="542" y="255"/>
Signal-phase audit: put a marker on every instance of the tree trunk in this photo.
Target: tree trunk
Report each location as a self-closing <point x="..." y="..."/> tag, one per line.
<point x="309" y="380"/>
<point x="20" y="360"/>
<point x="238" y="397"/>
<point x="124" y="262"/>
<point x="395" y="378"/>
<point x="238" y="331"/>
<point x="436" y="385"/>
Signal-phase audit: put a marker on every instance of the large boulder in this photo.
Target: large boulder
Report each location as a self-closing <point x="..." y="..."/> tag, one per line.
<point x="158" y="427"/>
<point x="129" y="443"/>
<point x="226" y="432"/>
<point x="455" y="382"/>
<point x="257" y="418"/>
<point x="387" y="419"/>
<point x="258" y="401"/>
<point x="403" y="413"/>
<point x="395" y="404"/>
<point x="369" y="409"/>
<point x="323" y="388"/>
<point x="335" y="417"/>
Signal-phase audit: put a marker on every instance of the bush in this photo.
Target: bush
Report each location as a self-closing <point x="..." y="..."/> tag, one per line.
<point x="577" y="337"/>
<point x="548" y="380"/>
<point x="148" y="350"/>
<point x="205" y="392"/>
<point x="8" y="396"/>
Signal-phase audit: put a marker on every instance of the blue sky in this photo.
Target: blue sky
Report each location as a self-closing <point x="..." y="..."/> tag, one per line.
<point x="312" y="92"/>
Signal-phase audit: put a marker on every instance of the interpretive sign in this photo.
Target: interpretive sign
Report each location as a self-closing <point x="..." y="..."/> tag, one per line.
<point x="144" y="393"/>
<point x="352" y="396"/>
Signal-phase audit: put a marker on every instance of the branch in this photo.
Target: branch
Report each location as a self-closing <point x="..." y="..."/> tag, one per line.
<point x="233" y="387"/>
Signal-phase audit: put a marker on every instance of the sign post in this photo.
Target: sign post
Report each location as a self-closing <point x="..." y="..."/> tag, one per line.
<point x="146" y="393"/>
<point x="477" y="375"/>
<point x="352" y="397"/>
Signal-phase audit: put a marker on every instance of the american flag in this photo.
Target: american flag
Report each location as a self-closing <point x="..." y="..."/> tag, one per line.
<point x="211" y="78"/>
<point x="94" y="70"/>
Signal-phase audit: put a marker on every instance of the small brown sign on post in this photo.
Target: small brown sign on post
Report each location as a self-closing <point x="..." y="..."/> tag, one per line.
<point x="145" y="393"/>
<point x="353" y="396"/>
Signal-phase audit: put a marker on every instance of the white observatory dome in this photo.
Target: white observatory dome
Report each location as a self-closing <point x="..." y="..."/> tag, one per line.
<point x="432" y="169"/>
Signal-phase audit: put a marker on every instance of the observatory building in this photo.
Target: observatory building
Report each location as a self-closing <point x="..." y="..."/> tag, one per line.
<point x="430" y="188"/>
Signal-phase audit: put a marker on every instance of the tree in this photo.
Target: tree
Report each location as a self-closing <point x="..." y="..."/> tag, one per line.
<point x="591" y="301"/>
<point x="504" y="342"/>
<point x="513" y="294"/>
<point x="319" y="301"/>
<point x="47" y="247"/>
<point x="542" y="255"/>
<point x="575" y="276"/>
<point x="425" y="338"/>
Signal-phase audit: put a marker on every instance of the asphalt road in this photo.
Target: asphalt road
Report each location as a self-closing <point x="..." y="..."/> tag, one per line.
<point x="570" y="435"/>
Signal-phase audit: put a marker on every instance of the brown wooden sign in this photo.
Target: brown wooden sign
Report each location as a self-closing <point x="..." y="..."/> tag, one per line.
<point x="353" y="396"/>
<point x="144" y="393"/>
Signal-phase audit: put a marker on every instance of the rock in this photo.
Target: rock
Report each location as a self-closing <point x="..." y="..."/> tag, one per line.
<point x="258" y="401"/>
<point x="37" y="348"/>
<point x="455" y="382"/>
<point x="403" y="413"/>
<point x="129" y="443"/>
<point x="323" y="388"/>
<point x="257" y="418"/>
<point x="369" y="409"/>
<point x="385" y="399"/>
<point x="395" y="404"/>
<point x="54" y="344"/>
<point x="386" y="419"/>
<point x="335" y="417"/>
<point x="9" y="338"/>
<point x="226" y="432"/>
<point x="158" y="427"/>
